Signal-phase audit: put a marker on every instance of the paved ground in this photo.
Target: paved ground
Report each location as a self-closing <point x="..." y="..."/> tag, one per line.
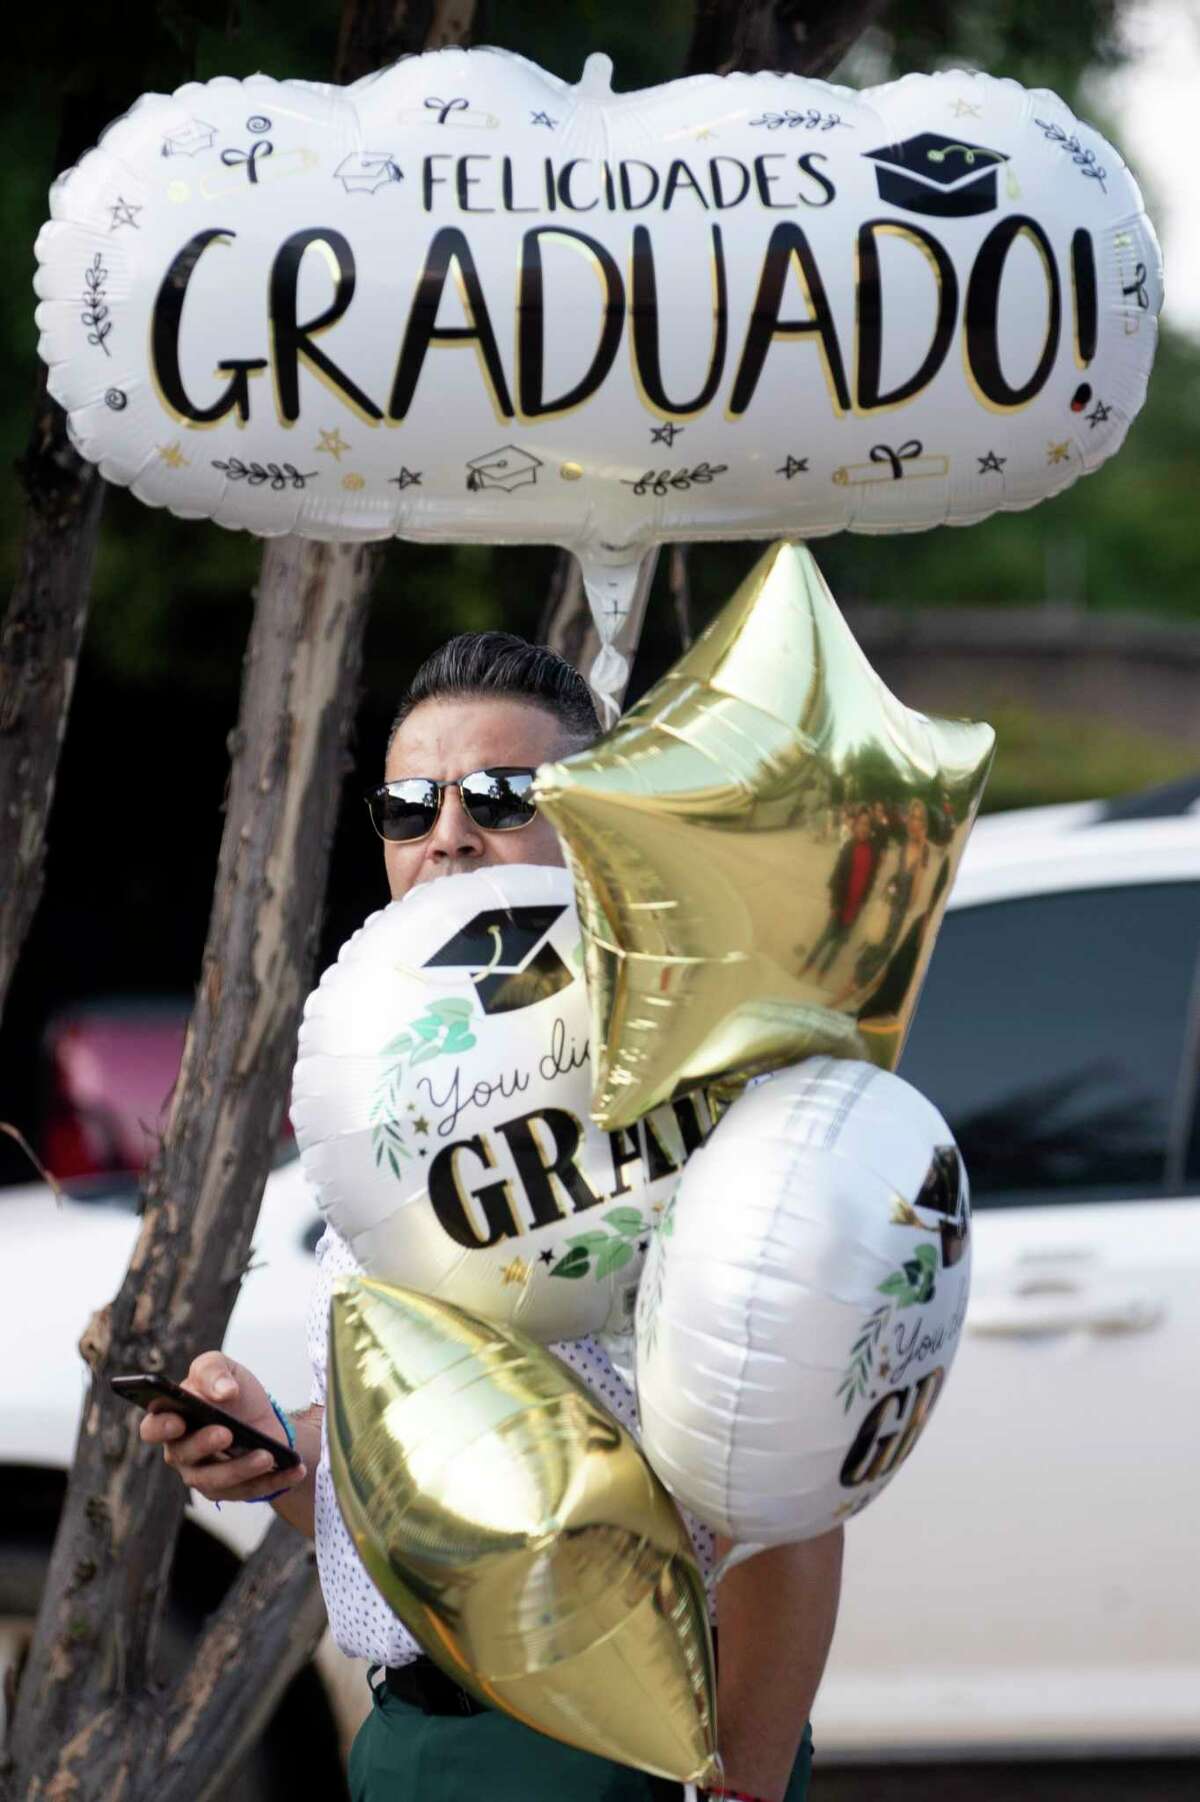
<point x="1110" y="1780"/>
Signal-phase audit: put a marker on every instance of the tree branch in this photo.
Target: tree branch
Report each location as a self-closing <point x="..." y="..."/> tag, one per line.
<point x="681" y="594"/>
<point x="799" y="37"/>
<point x="86" y="1724"/>
<point x="47" y="613"/>
<point x="94" y="1649"/>
<point x="229" y="1693"/>
<point x="39" y="653"/>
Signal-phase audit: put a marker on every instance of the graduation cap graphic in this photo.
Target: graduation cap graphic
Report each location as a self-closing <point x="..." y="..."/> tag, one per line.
<point x="189" y="139"/>
<point x="506" y="468"/>
<point x="944" y="1192"/>
<point x="508" y="956"/>
<point x="939" y="176"/>
<point x="363" y="171"/>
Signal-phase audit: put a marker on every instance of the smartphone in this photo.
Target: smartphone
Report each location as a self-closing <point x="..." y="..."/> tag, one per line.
<point x="160" y="1395"/>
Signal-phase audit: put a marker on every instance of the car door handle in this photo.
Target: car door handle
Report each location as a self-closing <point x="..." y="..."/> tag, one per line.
<point x="1029" y="1316"/>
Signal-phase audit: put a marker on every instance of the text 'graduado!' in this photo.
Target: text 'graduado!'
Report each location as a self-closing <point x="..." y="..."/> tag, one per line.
<point x="790" y="301"/>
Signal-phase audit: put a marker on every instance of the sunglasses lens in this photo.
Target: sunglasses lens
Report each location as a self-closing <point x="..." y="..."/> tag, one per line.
<point x="404" y="810"/>
<point x="499" y="800"/>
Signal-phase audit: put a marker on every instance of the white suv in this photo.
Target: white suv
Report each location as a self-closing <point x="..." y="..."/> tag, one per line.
<point x="1029" y="1583"/>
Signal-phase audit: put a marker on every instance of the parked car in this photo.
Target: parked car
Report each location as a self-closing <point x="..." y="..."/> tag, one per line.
<point x="108" y="1070"/>
<point x="1027" y="1586"/>
<point x="110" y="1066"/>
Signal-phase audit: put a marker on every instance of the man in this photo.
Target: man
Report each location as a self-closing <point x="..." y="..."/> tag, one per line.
<point x="488" y="702"/>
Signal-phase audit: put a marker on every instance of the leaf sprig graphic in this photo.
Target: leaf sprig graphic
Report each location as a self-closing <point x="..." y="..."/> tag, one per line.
<point x="443" y="1030"/>
<point x="912" y="1284"/>
<point x="857" y="1379"/>
<point x="653" y="1276"/>
<point x="600" y="1253"/>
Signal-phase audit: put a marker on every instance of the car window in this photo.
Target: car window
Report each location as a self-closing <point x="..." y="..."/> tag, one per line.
<point x="1050" y="1034"/>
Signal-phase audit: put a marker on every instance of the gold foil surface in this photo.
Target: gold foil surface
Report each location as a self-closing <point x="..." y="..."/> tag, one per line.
<point x="762" y="850"/>
<point x="516" y="1529"/>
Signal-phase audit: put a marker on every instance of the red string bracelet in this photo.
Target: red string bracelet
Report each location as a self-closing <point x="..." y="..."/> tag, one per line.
<point x="730" y="1795"/>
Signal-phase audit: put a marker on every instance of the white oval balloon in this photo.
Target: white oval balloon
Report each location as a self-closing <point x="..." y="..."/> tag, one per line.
<point x="440" y="1102"/>
<point x="802" y="1301"/>
<point x="740" y="306"/>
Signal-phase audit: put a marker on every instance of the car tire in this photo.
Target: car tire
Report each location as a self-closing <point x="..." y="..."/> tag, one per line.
<point x="269" y="1772"/>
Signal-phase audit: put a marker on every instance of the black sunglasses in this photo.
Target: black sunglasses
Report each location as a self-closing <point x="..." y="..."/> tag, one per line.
<point x="498" y="800"/>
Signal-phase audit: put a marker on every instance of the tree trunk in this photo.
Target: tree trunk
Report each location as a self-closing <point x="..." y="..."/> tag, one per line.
<point x="47" y="613"/>
<point x="88" y="1725"/>
<point x="217" y="1711"/>
<point x="39" y="653"/>
<point x="801" y="37"/>
<point x="681" y="595"/>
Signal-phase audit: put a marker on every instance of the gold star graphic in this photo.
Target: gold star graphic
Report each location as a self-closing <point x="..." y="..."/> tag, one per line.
<point x="334" y="443"/>
<point x="705" y="131"/>
<point x="516" y="1272"/>
<point x="421" y="1125"/>
<point x="353" y="481"/>
<point x="1058" y="453"/>
<point x="172" y="455"/>
<point x="966" y="109"/>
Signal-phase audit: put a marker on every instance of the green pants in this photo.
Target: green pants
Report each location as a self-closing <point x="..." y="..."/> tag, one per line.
<point x="403" y="1755"/>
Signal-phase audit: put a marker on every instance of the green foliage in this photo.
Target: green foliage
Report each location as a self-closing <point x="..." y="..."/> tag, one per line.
<point x="1042" y="46"/>
<point x="1043" y="758"/>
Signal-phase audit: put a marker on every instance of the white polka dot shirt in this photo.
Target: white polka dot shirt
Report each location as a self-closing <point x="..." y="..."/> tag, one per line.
<point x="361" y="1621"/>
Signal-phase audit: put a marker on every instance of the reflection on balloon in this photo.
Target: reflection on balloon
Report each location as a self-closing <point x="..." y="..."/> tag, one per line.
<point x="803" y="1301"/>
<point x="515" y="1528"/>
<point x="763" y="849"/>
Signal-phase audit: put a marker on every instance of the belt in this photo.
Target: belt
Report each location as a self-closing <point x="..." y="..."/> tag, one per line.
<point x="424" y="1685"/>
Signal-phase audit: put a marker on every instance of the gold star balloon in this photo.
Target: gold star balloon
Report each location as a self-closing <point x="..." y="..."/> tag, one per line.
<point x="516" y="1529"/>
<point x="762" y="850"/>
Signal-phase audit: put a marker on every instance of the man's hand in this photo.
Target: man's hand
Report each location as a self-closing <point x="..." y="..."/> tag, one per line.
<point x="200" y="1458"/>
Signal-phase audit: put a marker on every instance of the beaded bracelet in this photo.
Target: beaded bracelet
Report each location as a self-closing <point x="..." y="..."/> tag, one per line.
<point x="290" y="1430"/>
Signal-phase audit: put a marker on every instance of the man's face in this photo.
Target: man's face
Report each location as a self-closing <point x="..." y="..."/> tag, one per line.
<point x="453" y="737"/>
<point x="862" y="827"/>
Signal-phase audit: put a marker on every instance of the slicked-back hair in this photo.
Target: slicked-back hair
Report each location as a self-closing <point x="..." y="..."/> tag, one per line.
<point x="499" y="664"/>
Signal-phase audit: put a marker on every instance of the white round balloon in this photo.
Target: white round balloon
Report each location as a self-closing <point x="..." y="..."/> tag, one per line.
<point x="732" y="306"/>
<point x="440" y="1102"/>
<point x="802" y="1301"/>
